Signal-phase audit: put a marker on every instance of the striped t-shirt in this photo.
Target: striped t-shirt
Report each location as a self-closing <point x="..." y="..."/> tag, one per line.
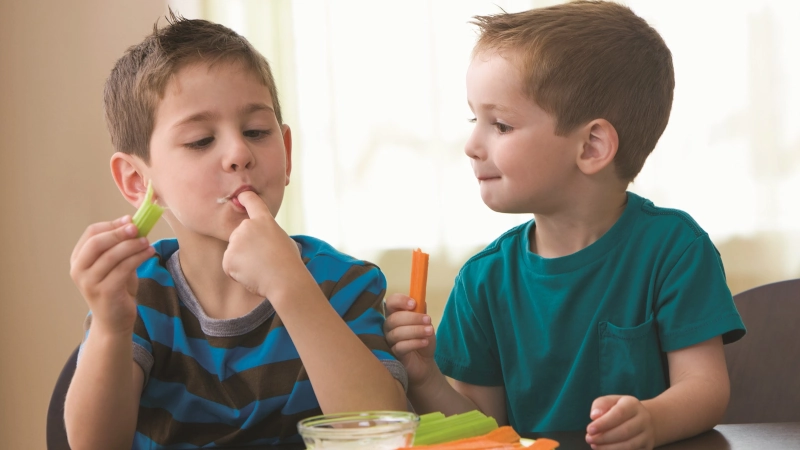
<point x="222" y="382"/>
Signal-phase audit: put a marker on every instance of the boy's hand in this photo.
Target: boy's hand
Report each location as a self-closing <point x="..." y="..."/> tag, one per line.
<point x="260" y="255"/>
<point x="410" y="336"/>
<point x="103" y="267"/>
<point x="620" y="422"/>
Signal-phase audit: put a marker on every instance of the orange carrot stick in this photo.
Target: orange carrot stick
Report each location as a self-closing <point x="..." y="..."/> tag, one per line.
<point x="419" y="279"/>
<point x="500" y="438"/>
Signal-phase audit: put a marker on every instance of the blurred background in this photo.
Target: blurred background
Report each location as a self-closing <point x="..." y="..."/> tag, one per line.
<point x="375" y="94"/>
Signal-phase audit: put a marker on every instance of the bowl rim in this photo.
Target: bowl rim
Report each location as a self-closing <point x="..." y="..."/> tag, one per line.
<point x="315" y="426"/>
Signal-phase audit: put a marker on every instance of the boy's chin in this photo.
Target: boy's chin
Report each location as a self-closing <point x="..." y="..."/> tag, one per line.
<point x="504" y="208"/>
<point x="495" y="205"/>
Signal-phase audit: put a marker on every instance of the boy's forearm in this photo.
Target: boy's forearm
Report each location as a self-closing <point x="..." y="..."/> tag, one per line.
<point x="688" y="408"/>
<point x="338" y="363"/>
<point x="100" y="408"/>
<point x="437" y="394"/>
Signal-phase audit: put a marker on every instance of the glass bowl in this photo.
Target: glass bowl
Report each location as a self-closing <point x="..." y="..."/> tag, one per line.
<point x="378" y="430"/>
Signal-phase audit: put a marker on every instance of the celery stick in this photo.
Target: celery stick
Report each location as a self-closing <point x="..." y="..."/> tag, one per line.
<point x="148" y="213"/>
<point x="434" y="428"/>
<point x="456" y="432"/>
<point x="427" y="418"/>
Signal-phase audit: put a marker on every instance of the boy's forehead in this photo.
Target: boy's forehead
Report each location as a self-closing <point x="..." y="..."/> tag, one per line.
<point x="196" y="73"/>
<point x="491" y="79"/>
<point x="198" y="91"/>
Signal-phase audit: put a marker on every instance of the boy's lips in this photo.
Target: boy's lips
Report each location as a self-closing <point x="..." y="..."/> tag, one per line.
<point x="234" y="196"/>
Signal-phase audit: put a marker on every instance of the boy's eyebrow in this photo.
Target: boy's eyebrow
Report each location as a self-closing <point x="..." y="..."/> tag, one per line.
<point x="255" y="107"/>
<point x="492" y="107"/>
<point x="207" y="115"/>
<point x="199" y="117"/>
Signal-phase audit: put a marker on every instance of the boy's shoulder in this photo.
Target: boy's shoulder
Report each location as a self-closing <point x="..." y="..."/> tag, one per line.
<point x="329" y="265"/>
<point x="666" y="219"/>
<point x="311" y="248"/>
<point x="499" y="249"/>
<point x="643" y="222"/>
<point x="156" y="268"/>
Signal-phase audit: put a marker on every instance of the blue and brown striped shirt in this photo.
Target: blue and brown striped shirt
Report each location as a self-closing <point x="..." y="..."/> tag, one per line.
<point x="222" y="382"/>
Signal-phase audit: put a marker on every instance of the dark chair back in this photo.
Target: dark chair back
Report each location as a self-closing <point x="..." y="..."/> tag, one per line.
<point x="764" y="366"/>
<point x="56" y="431"/>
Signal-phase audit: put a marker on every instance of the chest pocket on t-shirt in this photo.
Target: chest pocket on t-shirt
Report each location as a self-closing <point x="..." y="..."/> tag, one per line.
<point x="630" y="360"/>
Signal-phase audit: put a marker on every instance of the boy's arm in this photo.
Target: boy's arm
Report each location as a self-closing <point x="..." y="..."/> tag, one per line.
<point x="698" y="395"/>
<point x="411" y="338"/>
<point x="345" y="374"/>
<point x="450" y="396"/>
<point x="103" y="398"/>
<point x="101" y="403"/>
<point x="695" y="401"/>
<point x="491" y="400"/>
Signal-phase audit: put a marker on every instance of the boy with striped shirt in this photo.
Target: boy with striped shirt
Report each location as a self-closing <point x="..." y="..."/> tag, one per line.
<point x="238" y="330"/>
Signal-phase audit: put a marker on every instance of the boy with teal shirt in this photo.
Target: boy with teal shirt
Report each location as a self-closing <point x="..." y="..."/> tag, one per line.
<point x="233" y="331"/>
<point x="605" y="312"/>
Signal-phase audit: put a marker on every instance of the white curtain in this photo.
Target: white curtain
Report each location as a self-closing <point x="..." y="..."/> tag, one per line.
<point x="375" y="94"/>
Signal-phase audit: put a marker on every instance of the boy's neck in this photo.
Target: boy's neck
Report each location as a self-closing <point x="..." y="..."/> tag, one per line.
<point x="219" y="295"/>
<point x="571" y="230"/>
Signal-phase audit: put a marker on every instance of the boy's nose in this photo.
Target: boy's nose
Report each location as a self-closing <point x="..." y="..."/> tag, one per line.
<point x="473" y="148"/>
<point x="239" y="156"/>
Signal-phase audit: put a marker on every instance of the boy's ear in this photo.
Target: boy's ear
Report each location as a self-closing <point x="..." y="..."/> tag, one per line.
<point x="599" y="148"/>
<point x="127" y="172"/>
<point x="287" y="143"/>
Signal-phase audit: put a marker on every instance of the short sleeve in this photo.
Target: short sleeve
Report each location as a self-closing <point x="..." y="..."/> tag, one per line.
<point x="694" y="303"/>
<point x="358" y="298"/>
<point x="142" y="346"/>
<point x="464" y="341"/>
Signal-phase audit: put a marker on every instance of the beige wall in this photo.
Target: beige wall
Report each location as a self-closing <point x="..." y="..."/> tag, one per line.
<point x="54" y="151"/>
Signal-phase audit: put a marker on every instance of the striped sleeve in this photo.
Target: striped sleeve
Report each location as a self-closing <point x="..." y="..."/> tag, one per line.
<point x="357" y="296"/>
<point x="142" y="347"/>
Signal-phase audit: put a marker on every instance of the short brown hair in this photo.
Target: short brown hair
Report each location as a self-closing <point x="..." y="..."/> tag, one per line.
<point x="590" y="60"/>
<point x="139" y="78"/>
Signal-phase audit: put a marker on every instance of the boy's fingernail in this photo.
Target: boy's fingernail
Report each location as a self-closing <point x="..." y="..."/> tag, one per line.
<point x="426" y="319"/>
<point x="143" y="240"/>
<point x="411" y="303"/>
<point x="595" y="413"/>
<point x="588" y="439"/>
<point x="428" y="330"/>
<point x="592" y="430"/>
<point x="130" y="230"/>
<point x="125" y="219"/>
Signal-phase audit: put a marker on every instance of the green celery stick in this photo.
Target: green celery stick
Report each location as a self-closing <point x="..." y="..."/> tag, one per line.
<point x="426" y="418"/>
<point x="436" y="422"/>
<point x="148" y="213"/>
<point x="434" y="428"/>
<point x="461" y="431"/>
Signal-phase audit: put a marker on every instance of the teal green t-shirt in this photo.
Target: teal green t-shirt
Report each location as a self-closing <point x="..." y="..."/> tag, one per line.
<point x="558" y="333"/>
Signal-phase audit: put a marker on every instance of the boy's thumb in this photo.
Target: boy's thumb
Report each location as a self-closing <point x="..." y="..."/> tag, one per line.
<point x="601" y="405"/>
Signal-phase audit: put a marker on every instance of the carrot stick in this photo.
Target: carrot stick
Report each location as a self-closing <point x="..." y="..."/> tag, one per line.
<point x="501" y="438"/>
<point x="419" y="279"/>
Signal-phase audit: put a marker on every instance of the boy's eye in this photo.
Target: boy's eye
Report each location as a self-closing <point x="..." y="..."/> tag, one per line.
<point x="202" y="143"/>
<point x="473" y="120"/>
<point x="502" y="128"/>
<point x="256" y="134"/>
